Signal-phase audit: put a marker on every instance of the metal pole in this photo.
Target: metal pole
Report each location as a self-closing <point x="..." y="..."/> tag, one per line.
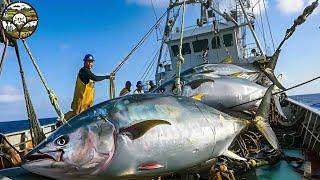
<point x="163" y="39"/>
<point x="251" y="28"/>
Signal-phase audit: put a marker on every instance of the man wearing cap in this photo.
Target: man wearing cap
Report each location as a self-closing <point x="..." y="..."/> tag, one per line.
<point x="139" y="89"/>
<point x="84" y="90"/>
<point x="126" y="90"/>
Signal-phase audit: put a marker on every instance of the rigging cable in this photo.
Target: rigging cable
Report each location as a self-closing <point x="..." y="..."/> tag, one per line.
<point x="150" y="67"/>
<point x="262" y="26"/>
<point x="139" y="44"/>
<point x="155" y="14"/>
<point x="282" y="91"/>
<point x="52" y="96"/>
<point x="111" y="81"/>
<point x="144" y="66"/>
<point x="269" y="27"/>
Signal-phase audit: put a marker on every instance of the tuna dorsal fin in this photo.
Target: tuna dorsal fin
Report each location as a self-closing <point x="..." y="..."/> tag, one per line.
<point x="135" y="131"/>
<point x="261" y="120"/>
<point x="196" y="83"/>
<point x="232" y="155"/>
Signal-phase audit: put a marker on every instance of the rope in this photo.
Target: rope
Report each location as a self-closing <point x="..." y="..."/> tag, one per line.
<point x="263" y="33"/>
<point x="3" y="54"/>
<point x="293" y="87"/>
<point x="36" y="132"/>
<point x="155" y="15"/>
<point x="300" y="20"/>
<point x="52" y="96"/>
<point x="149" y="69"/>
<point x="112" y="75"/>
<point x="180" y="59"/>
<point x="151" y="63"/>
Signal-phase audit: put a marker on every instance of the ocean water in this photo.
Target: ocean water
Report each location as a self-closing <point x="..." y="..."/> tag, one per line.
<point x="13" y="126"/>
<point x="312" y="100"/>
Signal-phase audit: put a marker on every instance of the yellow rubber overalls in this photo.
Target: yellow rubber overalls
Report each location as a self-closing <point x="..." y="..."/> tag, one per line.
<point x="82" y="99"/>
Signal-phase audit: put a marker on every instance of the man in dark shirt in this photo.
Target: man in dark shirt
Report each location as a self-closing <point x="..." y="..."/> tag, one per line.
<point x="84" y="89"/>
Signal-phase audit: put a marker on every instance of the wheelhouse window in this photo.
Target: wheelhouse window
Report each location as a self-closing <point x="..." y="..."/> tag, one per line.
<point x="185" y="49"/>
<point x="216" y="42"/>
<point x="228" y="40"/>
<point x="200" y="45"/>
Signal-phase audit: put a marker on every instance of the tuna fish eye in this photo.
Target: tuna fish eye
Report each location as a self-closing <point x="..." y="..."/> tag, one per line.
<point x="61" y="141"/>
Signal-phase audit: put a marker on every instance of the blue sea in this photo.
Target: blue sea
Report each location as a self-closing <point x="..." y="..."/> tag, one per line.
<point x="312" y="100"/>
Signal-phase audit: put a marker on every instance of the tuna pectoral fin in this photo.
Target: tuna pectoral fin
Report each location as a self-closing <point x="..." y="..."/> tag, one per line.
<point x="137" y="130"/>
<point x="196" y="83"/>
<point x="261" y="119"/>
<point x="232" y="155"/>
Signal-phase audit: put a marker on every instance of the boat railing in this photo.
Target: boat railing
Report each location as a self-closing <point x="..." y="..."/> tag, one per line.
<point x="310" y="126"/>
<point x="21" y="140"/>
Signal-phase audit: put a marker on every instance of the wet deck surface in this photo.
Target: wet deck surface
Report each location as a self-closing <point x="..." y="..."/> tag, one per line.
<point x="19" y="173"/>
<point x="279" y="171"/>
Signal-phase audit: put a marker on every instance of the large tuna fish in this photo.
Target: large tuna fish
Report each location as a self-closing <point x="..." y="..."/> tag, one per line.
<point x="224" y="70"/>
<point x="217" y="92"/>
<point x="140" y="136"/>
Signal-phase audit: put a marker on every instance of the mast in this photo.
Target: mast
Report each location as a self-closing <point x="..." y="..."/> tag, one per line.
<point x="251" y="28"/>
<point x="164" y="37"/>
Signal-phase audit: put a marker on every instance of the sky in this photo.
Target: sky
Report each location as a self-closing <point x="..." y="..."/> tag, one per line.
<point x="110" y="29"/>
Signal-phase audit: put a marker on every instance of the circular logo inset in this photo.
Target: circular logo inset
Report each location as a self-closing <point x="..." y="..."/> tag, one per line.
<point x="19" y="20"/>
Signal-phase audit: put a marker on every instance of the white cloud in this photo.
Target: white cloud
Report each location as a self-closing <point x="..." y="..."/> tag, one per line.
<point x="290" y="6"/>
<point x="156" y="3"/>
<point x="9" y="94"/>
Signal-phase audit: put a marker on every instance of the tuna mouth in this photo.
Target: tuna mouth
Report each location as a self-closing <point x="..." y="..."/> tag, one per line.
<point x="50" y="155"/>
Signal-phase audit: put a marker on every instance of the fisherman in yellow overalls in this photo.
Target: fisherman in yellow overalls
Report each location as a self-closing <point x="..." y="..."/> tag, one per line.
<point x="84" y="89"/>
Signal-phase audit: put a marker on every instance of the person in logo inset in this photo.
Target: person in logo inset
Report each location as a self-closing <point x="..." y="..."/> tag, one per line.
<point x="84" y="89"/>
<point x="139" y="89"/>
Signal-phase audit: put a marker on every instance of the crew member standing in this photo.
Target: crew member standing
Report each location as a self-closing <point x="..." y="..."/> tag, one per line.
<point x="84" y="89"/>
<point x="126" y="90"/>
<point x="139" y="89"/>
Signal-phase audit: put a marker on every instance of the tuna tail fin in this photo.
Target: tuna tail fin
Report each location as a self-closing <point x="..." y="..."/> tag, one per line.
<point x="269" y="70"/>
<point x="261" y="120"/>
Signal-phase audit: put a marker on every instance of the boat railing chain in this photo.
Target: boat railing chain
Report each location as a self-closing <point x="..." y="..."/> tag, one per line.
<point x="180" y="59"/>
<point x="52" y="96"/>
